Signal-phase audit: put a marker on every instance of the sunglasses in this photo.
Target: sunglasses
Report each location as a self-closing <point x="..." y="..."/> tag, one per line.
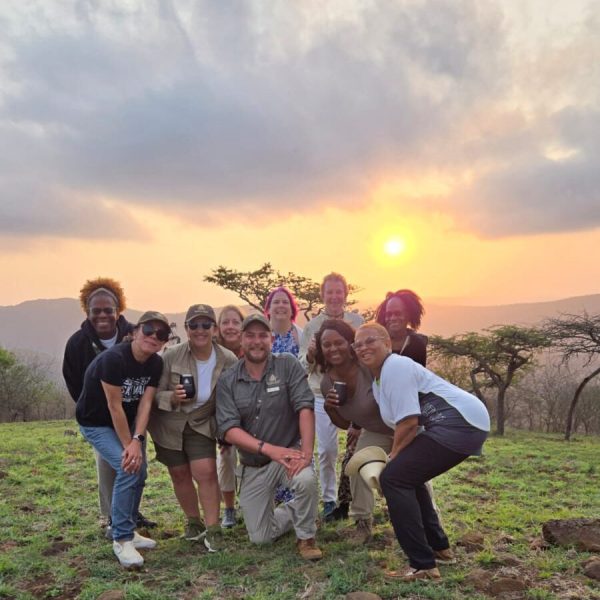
<point x="203" y="324"/>
<point x="161" y="334"/>
<point x="96" y="312"/>
<point x="368" y="342"/>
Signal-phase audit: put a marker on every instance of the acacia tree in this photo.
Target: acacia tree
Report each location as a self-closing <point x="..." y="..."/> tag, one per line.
<point x="494" y="358"/>
<point x="253" y="287"/>
<point x="576" y="336"/>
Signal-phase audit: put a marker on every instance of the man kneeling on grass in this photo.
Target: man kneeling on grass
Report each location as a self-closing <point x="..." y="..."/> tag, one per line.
<point x="266" y="409"/>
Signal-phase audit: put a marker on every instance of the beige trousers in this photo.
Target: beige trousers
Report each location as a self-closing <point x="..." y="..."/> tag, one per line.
<point x="226" y="463"/>
<point x="265" y="522"/>
<point x="106" y="480"/>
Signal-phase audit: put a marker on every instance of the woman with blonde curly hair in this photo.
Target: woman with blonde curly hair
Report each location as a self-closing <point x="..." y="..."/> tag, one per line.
<point x="102" y="300"/>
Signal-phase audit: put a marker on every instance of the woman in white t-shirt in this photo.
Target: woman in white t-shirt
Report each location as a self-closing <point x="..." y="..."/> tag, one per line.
<point x="455" y="426"/>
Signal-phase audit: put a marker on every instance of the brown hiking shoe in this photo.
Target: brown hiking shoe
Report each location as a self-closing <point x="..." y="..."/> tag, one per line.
<point x="364" y="531"/>
<point x="309" y="550"/>
<point x="415" y="574"/>
<point x="444" y="557"/>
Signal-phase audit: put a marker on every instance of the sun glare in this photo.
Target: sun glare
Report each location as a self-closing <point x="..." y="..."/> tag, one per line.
<point x="394" y="247"/>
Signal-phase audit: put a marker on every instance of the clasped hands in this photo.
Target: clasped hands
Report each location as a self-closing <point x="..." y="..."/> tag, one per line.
<point x="292" y="459"/>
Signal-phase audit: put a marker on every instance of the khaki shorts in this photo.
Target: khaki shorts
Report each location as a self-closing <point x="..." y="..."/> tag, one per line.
<point x="195" y="446"/>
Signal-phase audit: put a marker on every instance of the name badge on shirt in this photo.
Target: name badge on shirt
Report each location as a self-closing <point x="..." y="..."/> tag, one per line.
<point x="270" y="390"/>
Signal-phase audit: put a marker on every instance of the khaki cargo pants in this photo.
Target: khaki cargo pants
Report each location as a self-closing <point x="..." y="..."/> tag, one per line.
<point x="265" y="522"/>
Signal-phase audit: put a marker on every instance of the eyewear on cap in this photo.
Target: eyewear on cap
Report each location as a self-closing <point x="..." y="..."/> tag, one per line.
<point x="203" y="324"/>
<point x="161" y="334"/>
<point x="367" y="343"/>
<point x="108" y="310"/>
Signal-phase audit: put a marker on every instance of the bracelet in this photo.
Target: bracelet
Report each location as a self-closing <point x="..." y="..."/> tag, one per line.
<point x="260" y="446"/>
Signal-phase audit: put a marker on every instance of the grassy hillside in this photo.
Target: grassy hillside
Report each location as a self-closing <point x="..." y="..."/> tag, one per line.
<point x="51" y="546"/>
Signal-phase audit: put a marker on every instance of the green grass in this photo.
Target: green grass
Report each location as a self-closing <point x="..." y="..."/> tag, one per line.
<point x="51" y="545"/>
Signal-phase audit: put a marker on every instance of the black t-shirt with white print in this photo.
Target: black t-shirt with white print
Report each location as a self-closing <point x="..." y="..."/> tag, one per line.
<point x="115" y="366"/>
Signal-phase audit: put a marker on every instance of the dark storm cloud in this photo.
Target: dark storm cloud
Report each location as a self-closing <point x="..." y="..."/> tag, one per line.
<point x="214" y="105"/>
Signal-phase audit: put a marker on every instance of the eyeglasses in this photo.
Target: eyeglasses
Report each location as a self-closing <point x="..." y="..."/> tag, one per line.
<point x="368" y="342"/>
<point x="108" y="310"/>
<point x="204" y="324"/>
<point x="161" y="334"/>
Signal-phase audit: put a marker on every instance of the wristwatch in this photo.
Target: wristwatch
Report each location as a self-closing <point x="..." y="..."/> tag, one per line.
<point x="139" y="437"/>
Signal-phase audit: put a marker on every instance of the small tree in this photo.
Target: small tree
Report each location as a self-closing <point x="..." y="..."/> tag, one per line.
<point x="494" y="356"/>
<point x="25" y="387"/>
<point x="253" y="287"/>
<point x="576" y="336"/>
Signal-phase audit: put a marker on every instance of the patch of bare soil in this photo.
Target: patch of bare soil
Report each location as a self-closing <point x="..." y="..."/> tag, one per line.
<point x="58" y="546"/>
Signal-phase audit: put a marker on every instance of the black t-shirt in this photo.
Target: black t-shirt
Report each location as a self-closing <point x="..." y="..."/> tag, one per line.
<point x="115" y="366"/>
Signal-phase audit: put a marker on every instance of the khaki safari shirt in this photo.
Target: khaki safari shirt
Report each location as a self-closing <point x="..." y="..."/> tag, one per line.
<point x="167" y="422"/>
<point x="267" y="408"/>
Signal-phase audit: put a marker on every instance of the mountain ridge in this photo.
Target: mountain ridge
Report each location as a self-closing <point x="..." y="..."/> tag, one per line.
<point x="44" y="325"/>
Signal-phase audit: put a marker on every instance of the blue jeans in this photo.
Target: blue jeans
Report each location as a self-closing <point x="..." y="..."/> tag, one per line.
<point x="128" y="487"/>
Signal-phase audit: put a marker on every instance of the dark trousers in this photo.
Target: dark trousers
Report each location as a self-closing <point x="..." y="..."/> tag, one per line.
<point x="413" y="517"/>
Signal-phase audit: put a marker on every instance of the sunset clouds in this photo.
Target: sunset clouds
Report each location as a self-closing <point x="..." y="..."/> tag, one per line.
<point x="480" y="117"/>
<point x="116" y="104"/>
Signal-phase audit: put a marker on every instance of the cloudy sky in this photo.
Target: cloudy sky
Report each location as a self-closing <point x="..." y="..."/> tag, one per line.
<point x="153" y="141"/>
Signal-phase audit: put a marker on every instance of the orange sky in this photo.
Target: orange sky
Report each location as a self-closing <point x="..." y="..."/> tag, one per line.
<point x="165" y="269"/>
<point x="154" y="144"/>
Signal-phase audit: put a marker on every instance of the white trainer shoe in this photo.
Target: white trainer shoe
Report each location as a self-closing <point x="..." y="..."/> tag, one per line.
<point x="142" y="543"/>
<point x="127" y="554"/>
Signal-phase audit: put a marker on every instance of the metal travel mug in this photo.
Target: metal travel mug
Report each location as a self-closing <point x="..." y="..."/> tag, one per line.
<point x="341" y="389"/>
<point x="187" y="381"/>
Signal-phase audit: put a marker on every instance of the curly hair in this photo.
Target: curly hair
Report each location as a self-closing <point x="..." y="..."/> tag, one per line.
<point x="341" y="327"/>
<point x="93" y="285"/>
<point x="283" y="290"/>
<point x="412" y="302"/>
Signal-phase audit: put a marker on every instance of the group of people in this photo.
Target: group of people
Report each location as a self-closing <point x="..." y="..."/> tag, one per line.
<point x="259" y="389"/>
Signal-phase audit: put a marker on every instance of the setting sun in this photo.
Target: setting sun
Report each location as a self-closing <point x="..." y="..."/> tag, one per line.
<point x="394" y="247"/>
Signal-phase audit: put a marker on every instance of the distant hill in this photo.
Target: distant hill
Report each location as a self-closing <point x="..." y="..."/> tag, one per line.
<point x="449" y="320"/>
<point x="45" y="325"/>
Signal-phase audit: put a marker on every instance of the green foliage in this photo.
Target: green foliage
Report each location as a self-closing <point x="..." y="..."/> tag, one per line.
<point x="51" y="545"/>
<point x="253" y="287"/>
<point x="494" y="358"/>
<point x="24" y="387"/>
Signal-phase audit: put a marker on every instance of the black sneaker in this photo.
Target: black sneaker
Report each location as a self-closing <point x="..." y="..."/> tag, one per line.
<point x="339" y="513"/>
<point x="142" y="523"/>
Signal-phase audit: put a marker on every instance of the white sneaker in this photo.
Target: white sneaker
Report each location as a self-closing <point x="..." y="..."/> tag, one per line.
<point x="142" y="543"/>
<point x="127" y="554"/>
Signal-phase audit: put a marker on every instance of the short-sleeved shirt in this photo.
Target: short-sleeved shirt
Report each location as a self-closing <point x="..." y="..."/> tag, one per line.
<point x="115" y="366"/>
<point x="452" y="417"/>
<point x="360" y="408"/>
<point x="266" y="408"/>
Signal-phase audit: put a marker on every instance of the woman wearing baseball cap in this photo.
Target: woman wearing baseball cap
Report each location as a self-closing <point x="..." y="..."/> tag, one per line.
<point x="183" y="423"/>
<point x="113" y="411"/>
